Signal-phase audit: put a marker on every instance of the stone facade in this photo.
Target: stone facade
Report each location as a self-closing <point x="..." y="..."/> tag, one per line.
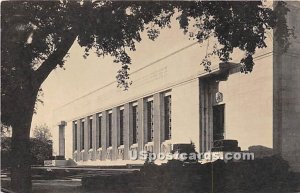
<point x="261" y="108"/>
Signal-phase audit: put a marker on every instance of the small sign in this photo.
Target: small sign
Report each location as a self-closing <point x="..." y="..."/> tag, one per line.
<point x="219" y="97"/>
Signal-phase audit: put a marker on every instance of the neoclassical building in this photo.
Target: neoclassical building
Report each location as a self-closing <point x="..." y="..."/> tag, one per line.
<point x="173" y="100"/>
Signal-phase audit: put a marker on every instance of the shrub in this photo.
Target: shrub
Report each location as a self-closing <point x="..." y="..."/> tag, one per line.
<point x="40" y="150"/>
<point x="268" y="174"/>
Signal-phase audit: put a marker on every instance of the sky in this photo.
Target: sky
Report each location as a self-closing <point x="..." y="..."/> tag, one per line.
<point x="81" y="76"/>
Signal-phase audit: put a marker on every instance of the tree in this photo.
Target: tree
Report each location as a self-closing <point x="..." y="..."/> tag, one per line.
<point x="36" y="37"/>
<point x="41" y="145"/>
<point x="40" y="150"/>
<point x="5" y="151"/>
<point x="42" y="132"/>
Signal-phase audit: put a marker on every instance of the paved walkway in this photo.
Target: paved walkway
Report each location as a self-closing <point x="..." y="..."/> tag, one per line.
<point x="68" y="183"/>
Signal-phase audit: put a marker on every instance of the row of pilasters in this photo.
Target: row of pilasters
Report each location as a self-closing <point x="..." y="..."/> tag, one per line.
<point x="207" y="100"/>
<point x="97" y="152"/>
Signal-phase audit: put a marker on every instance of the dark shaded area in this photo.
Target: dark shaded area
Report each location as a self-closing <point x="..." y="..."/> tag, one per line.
<point x="268" y="174"/>
<point x="57" y="157"/>
<point x="185" y="148"/>
<point x="226" y="145"/>
<point x="61" y="180"/>
<point x="261" y="151"/>
<point x="40" y="150"/>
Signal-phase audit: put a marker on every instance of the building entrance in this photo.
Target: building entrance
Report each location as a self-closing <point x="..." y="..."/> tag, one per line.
<point x="218" y="122"/>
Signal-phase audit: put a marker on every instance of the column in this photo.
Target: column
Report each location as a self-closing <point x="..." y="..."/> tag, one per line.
<point x="202" y="117"/>
<point x="115" y="132"/>
<point x="142" y="134"/>
<point x="86" y="139"/>
<point x="61" y="127"/>
<point x="209" y="117"/>
<point x="157" y="121"/>
<point x="127" y="129"/>
<point x="94" y="135"/>
<point x="104" y="134"/>
<point x="79" y="148"/>
<point x="286" y="93"/>
<point x="213" y="89"/>
<point x="74" y="144"/>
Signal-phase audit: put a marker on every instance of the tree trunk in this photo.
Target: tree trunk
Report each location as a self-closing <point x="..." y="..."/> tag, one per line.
<point x="21" y="89"/>
<point x="21" y="157"/>
<point x="20" y="166"/>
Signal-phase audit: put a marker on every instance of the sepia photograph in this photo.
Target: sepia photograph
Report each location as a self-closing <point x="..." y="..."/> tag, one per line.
<point x="150" y="96"/>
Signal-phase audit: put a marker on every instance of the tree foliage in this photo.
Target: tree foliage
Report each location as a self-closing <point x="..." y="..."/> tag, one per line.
<point x="38" y="35"/>
<point x="42" y="132"/>
<point x="40" y="150"/>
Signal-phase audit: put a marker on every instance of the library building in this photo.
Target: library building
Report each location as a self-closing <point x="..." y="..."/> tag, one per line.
<point x="174" y="102"/>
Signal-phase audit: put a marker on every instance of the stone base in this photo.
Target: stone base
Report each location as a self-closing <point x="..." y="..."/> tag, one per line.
<point x="55" y="162"/>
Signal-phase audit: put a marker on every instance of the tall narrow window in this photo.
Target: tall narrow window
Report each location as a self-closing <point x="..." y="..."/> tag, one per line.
<point x="109" y="129"/>
<point x="99" y="130"/>
<point x="91" y="133"/>
<point x="82" y="134"/>
<point x="121" y="126"/>
<point x="75" y="136"/>
<point x="167" y="113"/>
<point x="150" y="129"/>
<point x="134" y="124"/>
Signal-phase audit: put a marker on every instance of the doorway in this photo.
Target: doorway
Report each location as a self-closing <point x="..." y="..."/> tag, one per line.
<point x="218" y="122"/>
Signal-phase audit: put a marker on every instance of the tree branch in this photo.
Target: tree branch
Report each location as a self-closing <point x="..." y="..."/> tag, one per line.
<point x="56" y="57"/>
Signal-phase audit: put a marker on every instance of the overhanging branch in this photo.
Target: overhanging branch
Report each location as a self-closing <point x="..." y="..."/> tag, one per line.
<point x="56" y="57"/>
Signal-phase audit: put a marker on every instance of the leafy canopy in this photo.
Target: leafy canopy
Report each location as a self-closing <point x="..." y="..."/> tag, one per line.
<point x="42" y="132"/>
<point x="36" y="36"/>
